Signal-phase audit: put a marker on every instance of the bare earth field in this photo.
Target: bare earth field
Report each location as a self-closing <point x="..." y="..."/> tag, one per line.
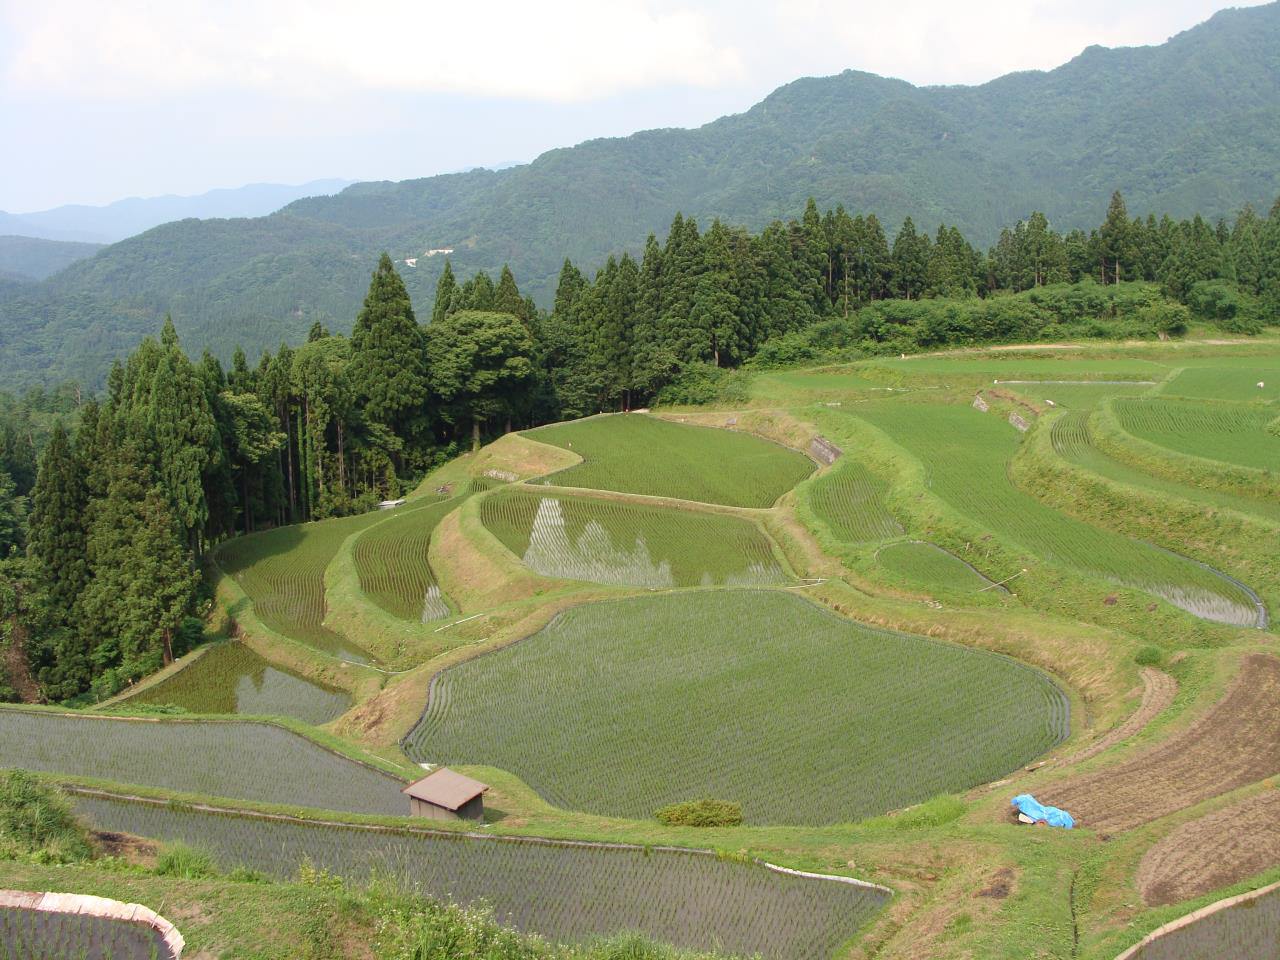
<point x="1158" y="691"/>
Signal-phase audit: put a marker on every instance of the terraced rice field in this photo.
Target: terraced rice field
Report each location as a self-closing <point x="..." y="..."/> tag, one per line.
<point x="565" y="893"/>
<point x="1231" y="432"/>
<point x="1073" y="441"/>
<point x="391" y="561"/>
<point x="966" y="454"/>
<point x="1228" y="378"/>
<point x="612" y="541"/>
<point x="282" y="571"/>
<point x="634" y="453"/>
<point x="757" y="697"/>
<point x="1249" y="930"/>
<point x="1079" y="396"/>
<point x="1026" y="365"/>
<point x="1235" y="744"/>
<point x="929" y="565"/>
<point x="45" y="935"/>
<point x="850" y="501"/>
<point x="231" y="678"/>
<point x="239" y="761"/>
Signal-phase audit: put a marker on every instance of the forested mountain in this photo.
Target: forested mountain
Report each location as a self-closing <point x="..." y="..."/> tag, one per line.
<point x="126" y="218"/>
<point x="1190" y="126"/>
<point x="34" y="259"/>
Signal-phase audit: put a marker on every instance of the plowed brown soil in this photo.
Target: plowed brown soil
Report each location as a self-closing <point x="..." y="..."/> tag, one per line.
<point x="1236" y="743"/>
<point x="1214" y="851"/>
<point x="1158" y="691"/>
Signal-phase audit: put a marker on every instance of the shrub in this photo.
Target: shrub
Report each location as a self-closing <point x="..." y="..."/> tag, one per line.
<point x="36" y="822"/>
<point x="702" y="383"/>
<point x="186" y="862"/>
<point x="1149" y="656"/>
<point x="705" y="812"/>
<point x="932" y="813"/>
<point x="1220" y="302"/>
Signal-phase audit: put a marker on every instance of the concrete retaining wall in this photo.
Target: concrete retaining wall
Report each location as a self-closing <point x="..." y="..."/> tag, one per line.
<point x="96" y="907"/>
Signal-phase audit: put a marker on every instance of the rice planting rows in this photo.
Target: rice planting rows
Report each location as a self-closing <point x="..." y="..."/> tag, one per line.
<point x="566" y="893"/>
<point x="1229" y="378"/>
<point x="1073" y="441"/>
<point x="231" y="678"/>
<point x="1080" y="396"/>
<point x="45" y="935"/>
<point x="1247" y="930"/>
<point x="929" y="565"/>
<point x="391" y="562"/>
<point x="1019" y="365"/>
<point x="240" y="761"/>
<point x="1230" y="432"/>
<point x="612" y="541"/>
<point x="850" y="501"/>
<point x="756" y="697"/>
<point x="282" y="571"/>
<point x="966" y="454"/>
<point x="634" y="453"/>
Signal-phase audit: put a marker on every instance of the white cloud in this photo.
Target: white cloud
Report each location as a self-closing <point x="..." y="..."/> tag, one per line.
<point x="569" y="50"/>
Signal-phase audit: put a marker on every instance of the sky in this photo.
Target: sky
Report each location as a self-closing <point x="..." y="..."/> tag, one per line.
<point x="105" y="100"/>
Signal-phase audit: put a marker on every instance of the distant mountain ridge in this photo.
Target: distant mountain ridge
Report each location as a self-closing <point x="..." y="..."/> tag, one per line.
<point x="126" y="218"/>
<point x="1192" y="125"/>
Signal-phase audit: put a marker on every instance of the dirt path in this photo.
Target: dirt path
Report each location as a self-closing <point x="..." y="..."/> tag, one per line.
<point x="1158" y="691"/>
<point x="1236" y="743"/>
<point x="1218" y="849"/>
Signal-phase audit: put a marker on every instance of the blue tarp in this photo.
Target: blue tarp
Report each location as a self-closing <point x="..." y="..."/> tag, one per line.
<point x="1037" y="811"/>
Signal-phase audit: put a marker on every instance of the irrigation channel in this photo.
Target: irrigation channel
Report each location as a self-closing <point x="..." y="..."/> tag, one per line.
<point x="566" y="891"/>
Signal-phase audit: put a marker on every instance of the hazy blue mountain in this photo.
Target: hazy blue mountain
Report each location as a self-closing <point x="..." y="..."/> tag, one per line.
<point x="1192" y="125"/>
<point x="34" y="259"/>
<point x="126" y="218"/>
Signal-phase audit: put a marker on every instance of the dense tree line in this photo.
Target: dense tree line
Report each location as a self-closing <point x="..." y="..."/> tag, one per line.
<point x="105" y="537"/>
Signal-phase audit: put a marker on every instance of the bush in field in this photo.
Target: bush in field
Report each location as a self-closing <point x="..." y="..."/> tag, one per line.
<point x="706" y="812"/>
<point x="1149" y="656"/>
<point x="185" y="862"/>
<point x="36" y="822"/>
<point x="1222" y="303"/>
<point x="704" y="383"/>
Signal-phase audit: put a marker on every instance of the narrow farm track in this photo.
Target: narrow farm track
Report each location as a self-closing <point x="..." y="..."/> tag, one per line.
<point x="1158" y="691"/>
<point x="1216" y="850"/>
<point x="1235" y="744"/>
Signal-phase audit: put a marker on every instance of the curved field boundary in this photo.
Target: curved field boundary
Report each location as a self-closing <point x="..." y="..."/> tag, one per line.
<point x="1244" y="927"/>
<point x="1237" y="743"/>
<point x="252" y="760"/>
<point x="1222" y="431"/>
<point x="84" y="905"/>
<point x="1214" y="851"/>
<point x="930" y="564"/>
<point x="390" y="558"/>
<point x="758" y="697"/>
<point x="563" y="889"/>
<point x="850" y="501"/>
<point x="1158" y="691"/>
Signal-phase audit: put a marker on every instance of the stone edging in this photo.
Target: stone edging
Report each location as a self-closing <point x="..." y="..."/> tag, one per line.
<point x="1194" y="917"/>
<point x="85" y="905"/>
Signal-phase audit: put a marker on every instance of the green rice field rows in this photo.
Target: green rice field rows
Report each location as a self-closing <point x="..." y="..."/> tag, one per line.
<point x="757" y="697"/>
<point x="850" y="501"/>
<point x="1249" y="930"/>
<point x="1231" y="432"/>
<point x="634" y="453"/>
<point x="258" y="762"/>
<point x="1073" y="441"/>
<point x="967" y="453"/>
<point x="1228" y="378"/>
<point x="929" y="565"/>
<point x="231" y="678"/>
<point x="48" y="935"/>
<point x="612" y="541"/>
<point x="565" y="892"/>
<point x="391" y="562"/>
<point x="282" y="572"/>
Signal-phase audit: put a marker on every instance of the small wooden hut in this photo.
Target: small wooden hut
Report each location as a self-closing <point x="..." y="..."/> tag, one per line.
<point x="446" y="795"/>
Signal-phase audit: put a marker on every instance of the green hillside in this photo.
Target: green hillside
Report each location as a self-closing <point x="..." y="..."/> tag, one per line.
<point x="1190" y="126"/>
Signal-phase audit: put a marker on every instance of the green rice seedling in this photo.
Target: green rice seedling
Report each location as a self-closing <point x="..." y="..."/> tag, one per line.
<point x="929" y="565"/>
<point x="850" y="501"/>
<point x="612" y="541"/>
<point x="259" y="762"/>
<point x="1231" y="432"/>
<point x="282" y="572"/>
<point x="1228" y="378"/>
<point x="756" y="697"/>
<point x="566" y="892"/>
<point x="967" y="453"/>
<point x="1248" y="930"/>
<point x="634" y="453"/>
<point x="1073" y="441"/>
<point x="231" y="678"/>
<point x="391" y="561"/>
<point x="27" y="934"/>
<point x="1079" y="395"/>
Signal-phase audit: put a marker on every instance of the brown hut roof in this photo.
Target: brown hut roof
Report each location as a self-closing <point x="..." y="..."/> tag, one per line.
<point x="445" y="788"/>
